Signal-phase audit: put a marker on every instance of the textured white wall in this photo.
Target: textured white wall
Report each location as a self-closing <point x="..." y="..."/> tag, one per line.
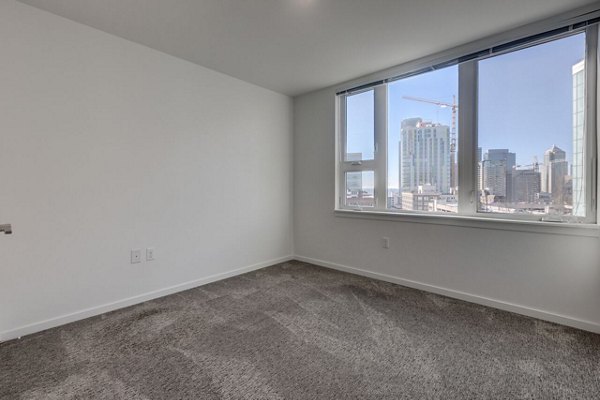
<point x="547" y="275"/>
<point x="105" y="146"/>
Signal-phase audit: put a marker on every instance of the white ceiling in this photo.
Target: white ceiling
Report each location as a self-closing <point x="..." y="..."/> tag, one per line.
<point x="296" y="46"/>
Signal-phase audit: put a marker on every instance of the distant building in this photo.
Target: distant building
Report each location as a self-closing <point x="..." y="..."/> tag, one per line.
<point x="420" y="200"/>
<point x="356" y="195"/>
<point x="525" y="185"/>
<point x="543" y="198"/>
<point x="354" y="183"/>
<point x="496" y="165"/>
<point x="445" y="203"/>
<point x="568" y="191"/>
<point x="554" y="174"/>
<point x="362" y="198"/>
<point x="578" y="161"/>
<point x="424" y="155"/>
<point x="392" y="199"/>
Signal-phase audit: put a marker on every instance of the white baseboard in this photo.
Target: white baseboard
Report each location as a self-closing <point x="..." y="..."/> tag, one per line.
<point x="502" y="305"/>
<point x="93" y="311"/>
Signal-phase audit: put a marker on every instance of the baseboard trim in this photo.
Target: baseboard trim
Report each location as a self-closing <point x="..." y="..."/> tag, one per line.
<point x="93" y="311"/>
<point x="486" y="301"/>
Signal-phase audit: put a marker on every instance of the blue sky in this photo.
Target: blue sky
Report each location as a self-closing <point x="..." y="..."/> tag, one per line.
<point x="524" y="103"/>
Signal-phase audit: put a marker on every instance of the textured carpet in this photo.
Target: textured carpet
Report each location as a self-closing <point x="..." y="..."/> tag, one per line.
<point x="297" y="331"/>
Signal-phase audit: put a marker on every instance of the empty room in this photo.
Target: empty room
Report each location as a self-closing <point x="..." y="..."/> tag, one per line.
<point x="299" y="199"/>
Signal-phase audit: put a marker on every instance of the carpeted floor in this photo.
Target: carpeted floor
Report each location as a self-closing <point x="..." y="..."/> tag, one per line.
<point x="297" y="331"/>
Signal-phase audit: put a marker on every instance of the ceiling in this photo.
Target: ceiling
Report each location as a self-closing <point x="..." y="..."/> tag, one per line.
<point x="296" y="46"/>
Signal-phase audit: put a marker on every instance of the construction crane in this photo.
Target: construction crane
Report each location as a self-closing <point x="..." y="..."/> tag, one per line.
<point x="454" y="107"/>
<point x="535" y="165"/>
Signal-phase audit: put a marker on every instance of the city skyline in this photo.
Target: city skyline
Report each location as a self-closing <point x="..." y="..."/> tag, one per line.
<point x="506" y="101"/>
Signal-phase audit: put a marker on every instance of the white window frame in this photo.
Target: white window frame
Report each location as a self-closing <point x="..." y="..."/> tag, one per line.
<point x="378" y="163"/>
<point x="467" y="145"/>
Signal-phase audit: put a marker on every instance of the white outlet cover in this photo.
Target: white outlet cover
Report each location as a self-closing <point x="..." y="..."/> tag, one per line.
<point x="149" y="254"/>
<point x="385" y="241"/>
<point x="136" y="256"/>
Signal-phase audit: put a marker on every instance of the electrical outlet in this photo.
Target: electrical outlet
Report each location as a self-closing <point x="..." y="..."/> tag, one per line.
<point x="385" y="242"/>
<point x="150" y="254"/>
<point x="136" y="256"/>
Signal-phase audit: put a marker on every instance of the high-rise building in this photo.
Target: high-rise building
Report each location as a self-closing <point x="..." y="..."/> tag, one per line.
<point x="497" y="164"/>
<point x="524" y="185"/>
<point x="578" y="161"/>
<point x="424" y="155"/>
<point x="554" y="173"/>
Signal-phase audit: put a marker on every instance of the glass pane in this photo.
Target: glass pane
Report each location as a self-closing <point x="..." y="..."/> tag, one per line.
<point x="422" y="142"/>
<point x="360" y="126"/>
<point x="359" y="189"/>
<point x="531" y="130"/>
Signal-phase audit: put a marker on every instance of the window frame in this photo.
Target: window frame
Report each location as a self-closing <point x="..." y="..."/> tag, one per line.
<point x="380" y="150"/>
<point x="468" y="193"/>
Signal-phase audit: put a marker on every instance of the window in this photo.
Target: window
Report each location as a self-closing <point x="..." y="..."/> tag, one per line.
<point x="363" y="149"/>
<point x="422" y="142"/>
<point x="360" y="127"/>
<point x="506" y="133"/>
<point x="530" y="130"/>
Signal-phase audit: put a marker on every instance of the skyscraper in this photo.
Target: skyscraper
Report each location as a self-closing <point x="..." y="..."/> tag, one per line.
<point x="424" y="155"/>
<point x="578" y="171"/>
<point x="524" y="185"/>
<point x="554" y="173"/>
<point x="497" y="164"/>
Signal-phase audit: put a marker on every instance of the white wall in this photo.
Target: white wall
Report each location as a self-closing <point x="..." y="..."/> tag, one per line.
<point x="105" y="146"/>
<point x="556" y="277"/>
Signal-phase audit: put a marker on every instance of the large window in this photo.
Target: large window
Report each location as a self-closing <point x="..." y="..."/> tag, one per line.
<point x="422" y="142"/>
<point x="506" y="134"/>
<point x="531" y="130"/>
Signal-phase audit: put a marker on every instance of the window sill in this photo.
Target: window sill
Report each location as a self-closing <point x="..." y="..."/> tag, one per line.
<point x="553" y="228"/>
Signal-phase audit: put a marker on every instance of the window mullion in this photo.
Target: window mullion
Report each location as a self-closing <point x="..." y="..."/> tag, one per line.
<point x="381" y="147"/>
<point x="467" y="143"/>
<point x="341" y="186"/>
<point x="591" y="99"/>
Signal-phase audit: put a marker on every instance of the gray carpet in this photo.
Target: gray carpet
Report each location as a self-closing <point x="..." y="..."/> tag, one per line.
<point x="297" y="331"/>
